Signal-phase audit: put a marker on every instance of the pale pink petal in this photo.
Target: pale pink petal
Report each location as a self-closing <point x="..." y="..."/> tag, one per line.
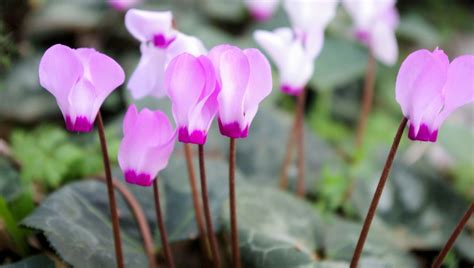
<point x="148" y="77"/>
<point x="420" y="81"/>
<point x="459" y="87"/>
<point x="157" y="157"/>
<point x="365" y="12"/>
<point x="384" y="44"/>
<point x="144" y="25"/>
<point x="234" y="74"/>
<point x="275" y="44"/>
<point x="259" y="82"/>
<point x="215" y="56"/>
<point x="314" y="43"/>
<point x="261" y="10"/>
<point x="81" y="101"/>
<point x="184" y="82"/>
<point x="59" y="70"/>
<point x="122" y="5"/>
<point x="185" y="43"/>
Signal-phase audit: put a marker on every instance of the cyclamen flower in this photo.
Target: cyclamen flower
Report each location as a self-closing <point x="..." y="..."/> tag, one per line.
<point x="122" y="5"/>
<point x="159" y="44"/>
<point x="80" y="80"/>
<point x="245" y="79"/>
<point x="375" y="22"/>
<point x="293" y="55"/>
<point x="261" y="10"/>
<point x="429" y="88"/>
<point x="192" y="87"/>
<point x="147" y="145"/>
<point x="310" y="15"/>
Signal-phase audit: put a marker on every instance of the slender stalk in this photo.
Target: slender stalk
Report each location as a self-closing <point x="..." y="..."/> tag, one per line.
<point x="139" y="217"/>
<point x="367" y="99"/>
<point x="449" y="244"/>
<point x="110" y="192"/>
<point x="377" y="194"/>
<point x="233" y="207"/>
<point x="300" y="182"/>
<point x="207" y="211"/>
<point x="195" y="195"/>
<point x="161" y="225"/>
<point x="298" y="117"/>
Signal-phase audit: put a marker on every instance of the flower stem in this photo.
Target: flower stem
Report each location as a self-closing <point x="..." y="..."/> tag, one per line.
<point x="139" y="217"/>
<point x="110" y="191"/>
<point x="377" y="194"/>
<point x="300" y="182"/>
<point x="367" y="99"/>
<point x="195" y="195"/>
<point x="161" y="225"/>
<point x="449" y="244"/>
<point x="207" y="211"/>
<point x="298" y="117"/>
<point x="233" y="207"/>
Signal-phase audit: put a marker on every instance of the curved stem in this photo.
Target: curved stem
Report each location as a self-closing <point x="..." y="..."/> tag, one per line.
<point x="207" y="211"/>
<point x="139" y="217"/>
<point x="195" y="195"/>
<point x="288" y="152"/>
<point x="367" y="99"/>
<point x="300" y="182"/>
<point x="449" y="244"/>
<point x="233" y="207"/>
<point x="110" y="192"/>
<point x="378" y="192"/>
<point x="161" y="225"/>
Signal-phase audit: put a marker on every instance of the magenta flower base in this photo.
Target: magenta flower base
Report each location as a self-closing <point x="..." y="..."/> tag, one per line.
<point x="141" y="179"/>
<point x="424" y="134"/>
<point x="196" y="137"/>
<point x="160" y="41"/>
<point x="291" y="90"/>
<point x="81" y="124"/>
<point x="233" y="130"/>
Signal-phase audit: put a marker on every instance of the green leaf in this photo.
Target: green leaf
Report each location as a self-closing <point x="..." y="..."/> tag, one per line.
<point x="11" y="225"/>
<point x="275" y="228"/>
<point x="37" y="261"/>
<point x="340" y="62"/>
<point x="10" y="187"/>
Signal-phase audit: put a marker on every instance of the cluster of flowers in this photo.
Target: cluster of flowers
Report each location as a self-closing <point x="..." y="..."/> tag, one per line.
<point x="230" y="82"/>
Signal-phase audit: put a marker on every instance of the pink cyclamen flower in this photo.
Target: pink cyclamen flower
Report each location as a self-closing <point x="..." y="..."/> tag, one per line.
<point x="261" y="10"/>
<point x="160" y="43"/>
<point x="192" y="87"/>
<point x="293" y="55"/>
<point x="122" y="5"/>
<point x="147" y="145"/>
<point x="80" y="79"/>
<point x="310" y="15"/>
<point x="375" y="22"/>
<point x="245" y="79"/>
<point x="429" y="88"/>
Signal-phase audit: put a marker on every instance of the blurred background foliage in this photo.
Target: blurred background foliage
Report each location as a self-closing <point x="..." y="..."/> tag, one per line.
<point x="430" y="185"/>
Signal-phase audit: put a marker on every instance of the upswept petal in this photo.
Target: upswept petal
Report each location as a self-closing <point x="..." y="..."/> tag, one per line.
<point x="201" y="117"/>
<point x="384" y="44"/>
<point x="184" y="82"/>
<point x="129" y="120"/>
<point x="365" y="12"/>
<point x="314" y="43"/>
<point x="459" y="87"/>
<point x="59" y="70"/>
<point x="215" y="56"/>
<point x="159" y="156"/>
<point x="82" y="100"/>
<point x="234" y="73"/>
<point x="144" y="25"/>
<point x="261" y="10"/>
<point x="148" y="77"/>
<point x="275" y="44"/>
<point x="259" y="82"/>
<point x="310" y="15"/>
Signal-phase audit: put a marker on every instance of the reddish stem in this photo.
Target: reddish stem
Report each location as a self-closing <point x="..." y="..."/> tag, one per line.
<point x="161" y="225"/>
<point x="207" y="211"/>
<point x="449" y="244"/>
<point x="300" y="182"/>
<point x="367" y="99"/>
<point x="233" y="206"/>
<point x="378" y="193"/>
<point x="110" y="192"/>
